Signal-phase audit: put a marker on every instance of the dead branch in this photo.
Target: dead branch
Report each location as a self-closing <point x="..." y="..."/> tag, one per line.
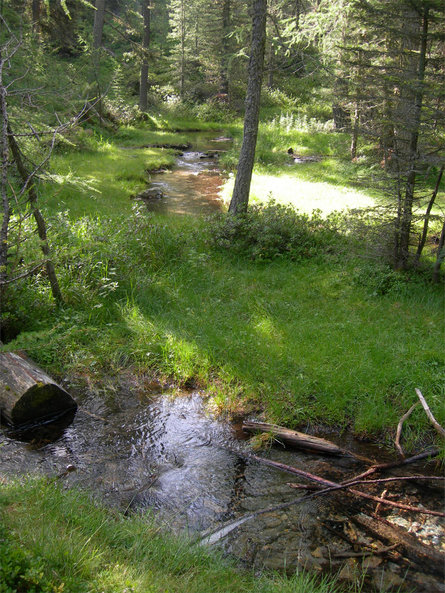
<point x="331" y="486"/>
<point x="378" y="481"/>
<point x="365" y="553"/>
<point x="24" y="275"/>
<point x="294" y="438"/>
<point x="399" y="429"/>
<point x="428" y="412"/>
<point x="430" y="559"/>
<point x="393" y="464"/>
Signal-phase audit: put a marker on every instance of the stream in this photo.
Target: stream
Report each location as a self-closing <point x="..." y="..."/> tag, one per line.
<point x="192" y="185"/>
<point x="139" y="447"/>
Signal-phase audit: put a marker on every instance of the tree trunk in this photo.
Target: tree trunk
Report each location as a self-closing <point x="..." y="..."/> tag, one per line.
<point x="226" y="12"/>
<point x="28" y="394"/>
<point x="41" y="226"/>
<point x="355" y="131"/>
<point x="99" y="17"/>
<point x="440" y="255"/>
<point x="240" y="197"/>
<point x="143" y="89"/>
<point x="4" y="231"/>
<point x="36" y="18"/>
<point x="182" y="79"/>
<point x="412" y="114"/>
<point x="427" y="216"/>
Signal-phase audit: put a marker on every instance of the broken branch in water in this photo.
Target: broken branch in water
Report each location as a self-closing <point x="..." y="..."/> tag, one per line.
<point x="336" y="486"/>
<point x="428" y="412"/>
<point x="378" y="481"/>
<point x="399" y="429"/>
<point x="393" y="464"/>
<point x="408" y="544"/>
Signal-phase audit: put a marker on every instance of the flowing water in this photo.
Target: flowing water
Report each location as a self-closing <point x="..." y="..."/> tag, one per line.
<point x="168" y="454"/>
<point x="140" y="449"/>
<point x="192" y="186"/>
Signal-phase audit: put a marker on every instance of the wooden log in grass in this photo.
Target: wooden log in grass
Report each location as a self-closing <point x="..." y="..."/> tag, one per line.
<point x="294" y="438"/>
<point x="28" y="394"/>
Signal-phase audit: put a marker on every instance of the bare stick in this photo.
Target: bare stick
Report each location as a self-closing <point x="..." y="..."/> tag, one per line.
<point x="331" y="486"/>
<point x="399" y="429"/>
<point x="428" y="412"/>
<point x="385" y="466"/>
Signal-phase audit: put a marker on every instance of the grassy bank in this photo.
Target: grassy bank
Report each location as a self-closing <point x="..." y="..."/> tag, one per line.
<point x="326" y="336"/>
<point x="53" y="541"/>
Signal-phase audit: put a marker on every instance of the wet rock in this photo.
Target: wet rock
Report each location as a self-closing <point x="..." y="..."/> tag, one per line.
<point x="152" y="193"/>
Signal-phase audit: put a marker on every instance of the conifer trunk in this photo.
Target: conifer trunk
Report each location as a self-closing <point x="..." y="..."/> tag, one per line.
<point x="143" y="90"/>
<point x="240" y="197"/>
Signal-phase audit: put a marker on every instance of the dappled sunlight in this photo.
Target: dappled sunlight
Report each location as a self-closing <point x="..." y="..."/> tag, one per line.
<point x="305" y="196"/>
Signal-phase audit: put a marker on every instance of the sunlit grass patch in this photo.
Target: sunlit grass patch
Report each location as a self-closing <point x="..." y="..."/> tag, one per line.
<point x="74" y="544"/>
<point x="102" y="181"/>
<point x="304" y="195"/>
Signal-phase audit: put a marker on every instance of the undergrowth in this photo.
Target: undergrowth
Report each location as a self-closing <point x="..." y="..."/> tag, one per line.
<point x="279" y="309"/>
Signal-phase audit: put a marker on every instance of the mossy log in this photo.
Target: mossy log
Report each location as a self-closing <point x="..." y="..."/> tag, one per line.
<point x="293" y="438"/>
<point x="28" y="394"/>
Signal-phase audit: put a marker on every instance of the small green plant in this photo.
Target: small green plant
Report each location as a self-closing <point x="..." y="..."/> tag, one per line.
<point x="21" y="572"/>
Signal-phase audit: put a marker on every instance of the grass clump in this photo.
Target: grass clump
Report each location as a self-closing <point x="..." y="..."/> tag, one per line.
<point x="63" y="541"/>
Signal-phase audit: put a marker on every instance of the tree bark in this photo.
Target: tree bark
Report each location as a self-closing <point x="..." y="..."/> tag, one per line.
<point x="427" y="215"/>
<point x="98" y="26"/>
<point x="40" y="221"/>
<point x="412" y="111"/>
<point x="439" y="258"/>
<point x="240" y="197"/>
<point x="294" y="438"/>
<point x="4" y="231"/>
<point x="226" y="12"/>
<point x="143" y="89"/>
<point x="28" y="394"/>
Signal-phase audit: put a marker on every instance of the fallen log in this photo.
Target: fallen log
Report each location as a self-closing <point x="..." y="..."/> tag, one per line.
<point x="427" y="557"/>
<point x="294" y="438"/>
<point x="28" y="394"/>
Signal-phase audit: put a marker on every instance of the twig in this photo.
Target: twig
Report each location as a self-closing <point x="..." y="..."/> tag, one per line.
<point x="379" y="504"/>
<point x="393" y="464"/>
<point x="365" y="553"/>
<point x="331" y="486"/>
<point x="399" y="429"/>
<point x="428" y="412"/>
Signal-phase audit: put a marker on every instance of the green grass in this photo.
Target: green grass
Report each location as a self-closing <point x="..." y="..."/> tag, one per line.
<point x="101" y="176"/>
<point x="52" y="541"/>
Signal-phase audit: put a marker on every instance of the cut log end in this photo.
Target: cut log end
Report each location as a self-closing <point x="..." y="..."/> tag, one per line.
<point x="27" y="394"/>
<point x="40" y="401"/>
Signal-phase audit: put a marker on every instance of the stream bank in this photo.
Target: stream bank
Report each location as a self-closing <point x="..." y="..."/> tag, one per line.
<point x="164" y="452"/>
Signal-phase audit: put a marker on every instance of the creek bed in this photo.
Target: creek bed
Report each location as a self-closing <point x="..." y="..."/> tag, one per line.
<point x="193" y="184"/>
<point x="167" y="454"/>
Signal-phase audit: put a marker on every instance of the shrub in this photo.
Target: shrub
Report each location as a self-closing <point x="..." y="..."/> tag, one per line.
<point x="273" y="230"/>
<point x="20" y="573"/>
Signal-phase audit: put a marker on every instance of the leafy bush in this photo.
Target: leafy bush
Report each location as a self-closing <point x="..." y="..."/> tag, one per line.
<point x="273" y="230"/>
<point x="20" y="573"/>
<point x="380" y="279"/>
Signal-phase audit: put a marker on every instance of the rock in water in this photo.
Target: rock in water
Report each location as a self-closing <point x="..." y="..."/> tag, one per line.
<point x="28" y="394"/>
